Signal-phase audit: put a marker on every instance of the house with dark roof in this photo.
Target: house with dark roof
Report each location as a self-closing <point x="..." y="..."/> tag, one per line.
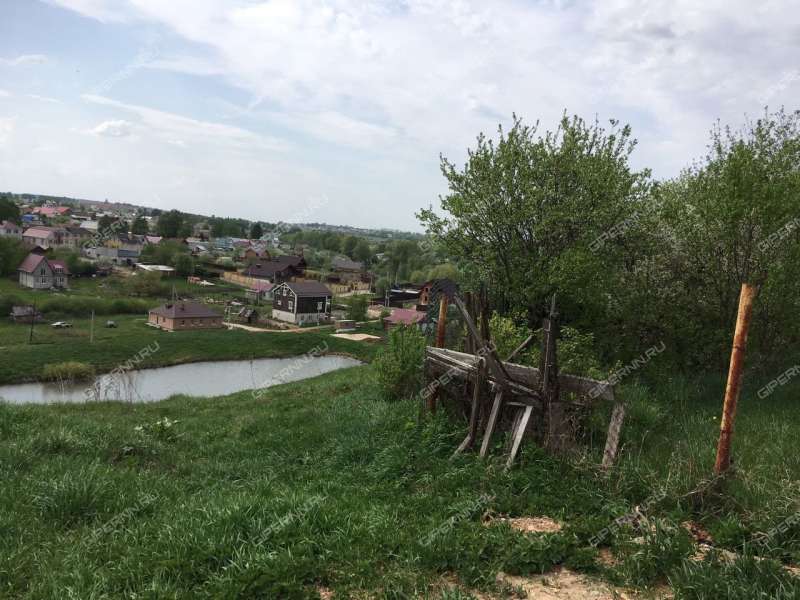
<point x="278" y="269"/>
<point x="345" y="270"/>
<point x="301" y="302"/>
<point x="42" y="273"/>
<point x="179" y="316"/>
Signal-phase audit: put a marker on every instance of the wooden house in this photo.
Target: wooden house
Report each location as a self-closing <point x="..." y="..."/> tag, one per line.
<point x="277" y="269"/>
<point x="345" y="270"/>
<point x="180" y="316"/>
<point x="41" y="273"/>
<point x="302" y="302"/>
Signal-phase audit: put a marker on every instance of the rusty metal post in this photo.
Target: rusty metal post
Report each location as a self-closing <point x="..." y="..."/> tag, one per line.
<point x="440" y="326"/>
<point x="440" y="331"/>
<point x="733" y="387"/>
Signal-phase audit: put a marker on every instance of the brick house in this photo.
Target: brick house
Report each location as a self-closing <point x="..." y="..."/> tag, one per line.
<point x="180" y="316"/>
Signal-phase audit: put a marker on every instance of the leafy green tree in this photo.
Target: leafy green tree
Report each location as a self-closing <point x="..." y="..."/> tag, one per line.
<point x="140" y="226"/>
<point x="348" y="245"/>
<point x="256" y="231"/>
<point x="525" y="212"/>
<point x="357" y="308"/>
<point x="363" y="252"/>
<point x="170" y="224"/>
<point x="9" y="211"/>
<point x="184" y="265"/>
<point x="12" y="253"/>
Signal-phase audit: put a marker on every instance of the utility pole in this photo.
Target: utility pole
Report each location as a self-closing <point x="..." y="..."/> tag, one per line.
<point x="733" y="387"/>
<point x="91" y="329"/>
<point x="33" y="321"/>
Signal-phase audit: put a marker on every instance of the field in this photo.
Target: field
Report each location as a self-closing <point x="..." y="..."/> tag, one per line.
<point x="23" y="361"/>
<point x="320" y="486"/>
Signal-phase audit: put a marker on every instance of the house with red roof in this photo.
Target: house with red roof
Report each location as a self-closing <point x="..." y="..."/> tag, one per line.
<point x="9" y="229"/>
<point x="405" y="317"/>
<point x="42" y="273"/>
<point x="51" y="211"/>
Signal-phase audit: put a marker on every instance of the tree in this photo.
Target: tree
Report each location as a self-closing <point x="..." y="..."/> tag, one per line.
<point x="12" y="253"/>
<point x="357" y="309"/>
<point x="734" y="217"/>
<point x="106" y="222"/>
<point x="525" y="212"/>
<point x="9" y="211"/>
<point x="256" y="231"/>
<point x="140" y="226"/>
<point x="184" y="265"/>
<point x="363" y="252"/>
<point x="169" y="224"/>
<point x="348" y="245"/>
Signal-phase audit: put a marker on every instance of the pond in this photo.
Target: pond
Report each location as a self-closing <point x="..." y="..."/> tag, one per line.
<point x="211" y="378"/>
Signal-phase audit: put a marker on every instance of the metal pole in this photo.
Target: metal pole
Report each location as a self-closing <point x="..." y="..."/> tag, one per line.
<point x="440" y="331"/>
<point x="733" y="387"/>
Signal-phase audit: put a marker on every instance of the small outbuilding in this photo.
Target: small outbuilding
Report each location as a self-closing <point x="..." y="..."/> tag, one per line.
<point x="180" y="316"/>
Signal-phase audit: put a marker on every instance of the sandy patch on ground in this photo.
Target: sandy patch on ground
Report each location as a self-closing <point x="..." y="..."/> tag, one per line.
<point x="356" y="337"/>
<point x="529" y="524"/>
<point x="564" y="584"/>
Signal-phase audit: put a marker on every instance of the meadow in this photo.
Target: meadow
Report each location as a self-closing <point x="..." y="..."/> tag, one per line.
<point x="321" y="488"/>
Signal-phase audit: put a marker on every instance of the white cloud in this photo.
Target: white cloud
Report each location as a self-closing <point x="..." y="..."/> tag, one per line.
<point x="24" y="59"/>
<point x="6" y="129"/>
<point x="406" y="79"/>
<point x="44" y="98"/>
<point x="4" y="93"/>
<point x="117" y="129"/>
<point x="170" y="127"/>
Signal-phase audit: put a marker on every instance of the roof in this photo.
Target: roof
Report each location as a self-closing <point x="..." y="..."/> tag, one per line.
<point x="184" y="310"/>
<point x="51" y="210"/>
<point x="8" y="225"/>
<point x="309" y="288"/>
<point x="345" y="264"/>
<point x="405" y="316"/>
<point x="278" y="264"/>
<point x="31" y="262"/>
<point x="39" y="232"/>
<point x="59" y="264"/>
<point x="153" y="239"/>
<point x="262" y="286"/>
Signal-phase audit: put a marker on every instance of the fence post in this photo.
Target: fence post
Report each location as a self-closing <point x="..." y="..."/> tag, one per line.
<point x="733" y="387"/>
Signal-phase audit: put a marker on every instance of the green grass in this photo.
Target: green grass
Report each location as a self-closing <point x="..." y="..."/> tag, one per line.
<point x="24" y="362"/>
<point x="322" y="483"/>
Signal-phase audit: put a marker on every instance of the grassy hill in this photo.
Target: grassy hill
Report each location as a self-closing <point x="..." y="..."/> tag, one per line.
<point x="320" y="487"/>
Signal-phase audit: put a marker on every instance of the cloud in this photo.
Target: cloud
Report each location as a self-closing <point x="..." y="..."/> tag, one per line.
<point x="6" y="129"/>
<point x="4" y="93"/>
<point x="170" y="127"/>
<point x="44" y="98"/>
<point x="115" y="129"/>
<point x="24" y="59"/>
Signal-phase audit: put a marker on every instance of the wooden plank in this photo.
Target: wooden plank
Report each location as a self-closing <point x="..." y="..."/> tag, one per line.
<point x="495" y="366"/>
<point x="530" y="377"/>
<point x="472" y="432"/>
<point x="487" y="435"/>
<point x="518" y="434"/>
<point x="520" y="348"/>
<point x="612" y="440"/>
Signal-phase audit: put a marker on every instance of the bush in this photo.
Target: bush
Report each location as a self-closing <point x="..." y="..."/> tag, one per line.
<point x="399" y="365"/>
<point x="68" y="371"/>
<point x="357" y="309"/>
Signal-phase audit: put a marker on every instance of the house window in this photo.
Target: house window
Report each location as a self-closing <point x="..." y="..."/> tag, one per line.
<point x="183" y="322"/>
<point x="319" y="306"/>
<point x="291" y="305"/>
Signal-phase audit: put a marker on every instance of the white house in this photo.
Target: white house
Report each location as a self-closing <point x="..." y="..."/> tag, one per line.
<point x="9" y="229"/>
<point x="39" y="272"/>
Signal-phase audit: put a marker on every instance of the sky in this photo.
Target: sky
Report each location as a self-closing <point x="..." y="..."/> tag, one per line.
<point x="338" y="110"/>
